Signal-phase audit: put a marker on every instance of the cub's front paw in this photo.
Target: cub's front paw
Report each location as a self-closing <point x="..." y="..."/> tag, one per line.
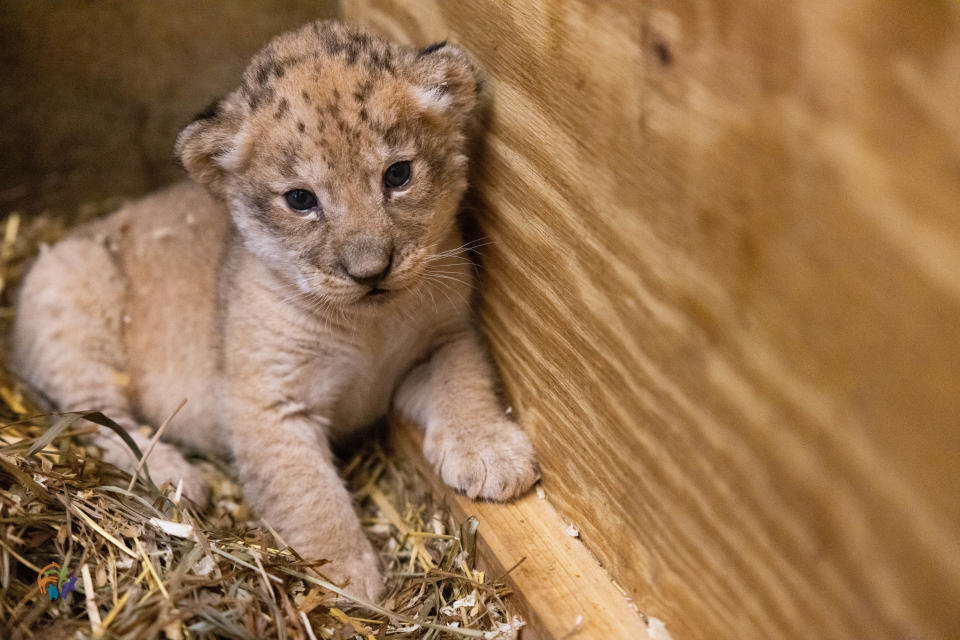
<point x="361" y="573"/>
<point x="493" y="461"/>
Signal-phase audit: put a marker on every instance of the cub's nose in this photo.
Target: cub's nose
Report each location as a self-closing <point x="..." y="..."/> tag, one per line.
<point x="368" y="269"/>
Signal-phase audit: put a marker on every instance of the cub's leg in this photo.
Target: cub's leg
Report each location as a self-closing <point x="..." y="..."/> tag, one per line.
<point x="469" y="442"/>
<point x="286" y="468"/>
<point x="67" y="344"/>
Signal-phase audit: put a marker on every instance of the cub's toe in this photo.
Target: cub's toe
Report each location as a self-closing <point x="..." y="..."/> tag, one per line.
<point x="169" y="466"/>
<point x="361" y="574"/>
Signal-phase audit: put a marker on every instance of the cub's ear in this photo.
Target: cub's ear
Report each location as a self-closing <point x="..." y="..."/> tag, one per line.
<point x="213" y="145"/>
<point x="446" y="81"/>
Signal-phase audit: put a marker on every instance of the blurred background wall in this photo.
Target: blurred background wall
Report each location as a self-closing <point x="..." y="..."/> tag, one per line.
<point x="92" y="94"/>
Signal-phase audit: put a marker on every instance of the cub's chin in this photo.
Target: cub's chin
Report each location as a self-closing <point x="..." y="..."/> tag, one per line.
<point x="370" y="301"/>
<point x="377" y="297"/>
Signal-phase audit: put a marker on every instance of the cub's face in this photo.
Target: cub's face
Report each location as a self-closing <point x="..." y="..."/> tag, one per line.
<point x="342" y="157"/>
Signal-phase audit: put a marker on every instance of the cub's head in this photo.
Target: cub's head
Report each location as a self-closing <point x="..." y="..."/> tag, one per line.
<point x="342" y="157"/>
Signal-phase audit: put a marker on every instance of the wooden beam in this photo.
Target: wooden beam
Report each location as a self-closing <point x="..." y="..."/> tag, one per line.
<point x="559" y="587"/>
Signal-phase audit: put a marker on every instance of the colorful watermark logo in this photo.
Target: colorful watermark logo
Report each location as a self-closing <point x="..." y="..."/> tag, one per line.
<point x="53" y="581"/>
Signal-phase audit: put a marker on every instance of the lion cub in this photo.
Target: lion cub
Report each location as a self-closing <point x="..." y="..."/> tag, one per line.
<point x="315" y="280"/>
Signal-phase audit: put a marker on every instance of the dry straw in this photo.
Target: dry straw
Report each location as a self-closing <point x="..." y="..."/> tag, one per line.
<point x="147" y="564"/>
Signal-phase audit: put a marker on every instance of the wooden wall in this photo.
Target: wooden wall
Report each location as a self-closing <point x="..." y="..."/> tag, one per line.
<point x="724" y="293"/>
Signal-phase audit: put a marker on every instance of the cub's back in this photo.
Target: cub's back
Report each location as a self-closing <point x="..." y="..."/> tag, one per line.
<point x="170" y="246"/>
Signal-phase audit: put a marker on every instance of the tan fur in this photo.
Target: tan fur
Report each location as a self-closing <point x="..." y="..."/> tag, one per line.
<point x="245" y="307"/>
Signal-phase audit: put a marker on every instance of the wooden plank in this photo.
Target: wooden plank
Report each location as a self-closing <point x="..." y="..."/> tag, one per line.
<point x="559" y="587"/>
<point x="723" y="295"/>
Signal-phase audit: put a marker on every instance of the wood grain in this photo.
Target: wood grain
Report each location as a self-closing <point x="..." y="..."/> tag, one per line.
<point x="558" y="586"/>
<point x="724" y="294"/>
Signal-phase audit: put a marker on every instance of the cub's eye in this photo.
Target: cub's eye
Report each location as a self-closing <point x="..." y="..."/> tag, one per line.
<point x="397" y="175"/>
<point x="300" y="199"/>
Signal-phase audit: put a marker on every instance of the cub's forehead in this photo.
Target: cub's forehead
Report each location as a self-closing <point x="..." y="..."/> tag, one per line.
<point x="334" y="89"/>
<point x="324" y="56"/>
